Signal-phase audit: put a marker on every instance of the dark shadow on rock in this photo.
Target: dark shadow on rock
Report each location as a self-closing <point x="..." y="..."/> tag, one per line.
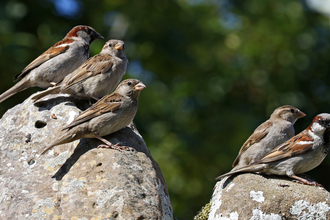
<point x="126" y="137"/>
<point x="227" y="182"/>
<point x="81" y="149"/>
<point x="53" y="100"/>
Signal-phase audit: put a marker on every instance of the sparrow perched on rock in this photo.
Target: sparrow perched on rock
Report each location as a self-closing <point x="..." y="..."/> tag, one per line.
<point x="300" y="154"/>
<point x="108" y="115"/>
<point x="273" y="132"/>
<point x="56" y="62"/>
<point x="96" y="77"/>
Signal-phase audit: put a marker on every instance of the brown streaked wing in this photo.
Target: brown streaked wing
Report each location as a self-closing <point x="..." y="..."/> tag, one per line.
<point x="109" y="103"/>
<point x="97" y="64"/>
<point x="290" y="148"/>
<point x="47" y="55"/>
<point x="259" y="133"/>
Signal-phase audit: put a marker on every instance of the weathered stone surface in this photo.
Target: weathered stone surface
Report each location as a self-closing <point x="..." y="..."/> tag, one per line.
<point x="76" y="180"/>
<point x="254" y="197"/>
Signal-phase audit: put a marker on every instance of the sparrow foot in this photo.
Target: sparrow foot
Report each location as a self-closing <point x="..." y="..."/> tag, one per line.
<point x="108" y="144"/>
<point x="115" y="147"/>
<point x="305" y="181"/>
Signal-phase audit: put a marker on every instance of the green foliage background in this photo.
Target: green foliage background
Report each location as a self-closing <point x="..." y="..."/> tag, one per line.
<point x="214" y="71"/>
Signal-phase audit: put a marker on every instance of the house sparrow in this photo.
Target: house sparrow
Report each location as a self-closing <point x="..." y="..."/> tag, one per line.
<point x="96" y="77"/>
<point x="56" y="62"/>
<point x="108" y="115"/>
<point x="300" y="154"/>
<point x="273" y="132"/>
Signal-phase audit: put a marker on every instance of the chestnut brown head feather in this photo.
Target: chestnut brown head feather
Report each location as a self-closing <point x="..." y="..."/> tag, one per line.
<point x="82" y="30"/>
<point x="74" y="31"/>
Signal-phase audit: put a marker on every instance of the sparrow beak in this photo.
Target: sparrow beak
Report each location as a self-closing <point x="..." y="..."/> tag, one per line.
<point x="119" y="46"/>
<point x="301" y="114"/>
<point x="97" y="36"/>
<point x="139" y="86"/>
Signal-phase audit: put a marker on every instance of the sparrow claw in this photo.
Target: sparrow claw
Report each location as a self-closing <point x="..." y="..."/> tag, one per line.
<point x="318" y="185"/>
<point x="313" y="184"/>
<point x="310" y="183"/>
<point x="112" y="146"/>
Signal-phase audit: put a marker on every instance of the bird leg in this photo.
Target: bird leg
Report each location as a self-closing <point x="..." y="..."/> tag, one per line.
<point x="305" y="181"/>
<point x="305" y="176"/>
<point x="109" y="144"/>
<point x="94" y="97"/>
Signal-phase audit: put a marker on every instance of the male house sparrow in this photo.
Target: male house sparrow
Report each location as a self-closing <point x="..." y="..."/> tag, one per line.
<point x="273" y="132"/>
<point x="97" y="76"/>
<point x="56" y="62"/>
<point x="300" y="154"/>
<point x="108" y="115"/>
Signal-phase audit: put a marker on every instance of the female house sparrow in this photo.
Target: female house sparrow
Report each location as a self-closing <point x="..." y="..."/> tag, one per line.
<point x="273" y="132"/>
<point x="110" y="114"/>
<point x="96" y="77"/>
<point x="300" y="154"/>
<point x="56" y="62"/>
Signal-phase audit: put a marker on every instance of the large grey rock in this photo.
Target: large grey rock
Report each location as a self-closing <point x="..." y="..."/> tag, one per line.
<point x="76" y="180"/>
<point x="257" y="197"/>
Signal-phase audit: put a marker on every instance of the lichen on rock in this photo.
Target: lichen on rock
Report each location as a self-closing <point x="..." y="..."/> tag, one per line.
<point x="252" y="196"/>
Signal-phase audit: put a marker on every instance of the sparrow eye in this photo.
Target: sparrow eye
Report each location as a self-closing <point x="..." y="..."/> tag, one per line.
<point x="292" y="110"/>
<point x="110" y="45"/>
<point x="129" y="83"/>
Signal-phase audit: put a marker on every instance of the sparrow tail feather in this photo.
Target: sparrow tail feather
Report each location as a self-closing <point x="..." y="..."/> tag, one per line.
<point x="66" y="137"/>
<point x="246" y="169"/>
<point x="47" y="149"/>
<point x="52" y="90"/>
<point x="18" y="87"/>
